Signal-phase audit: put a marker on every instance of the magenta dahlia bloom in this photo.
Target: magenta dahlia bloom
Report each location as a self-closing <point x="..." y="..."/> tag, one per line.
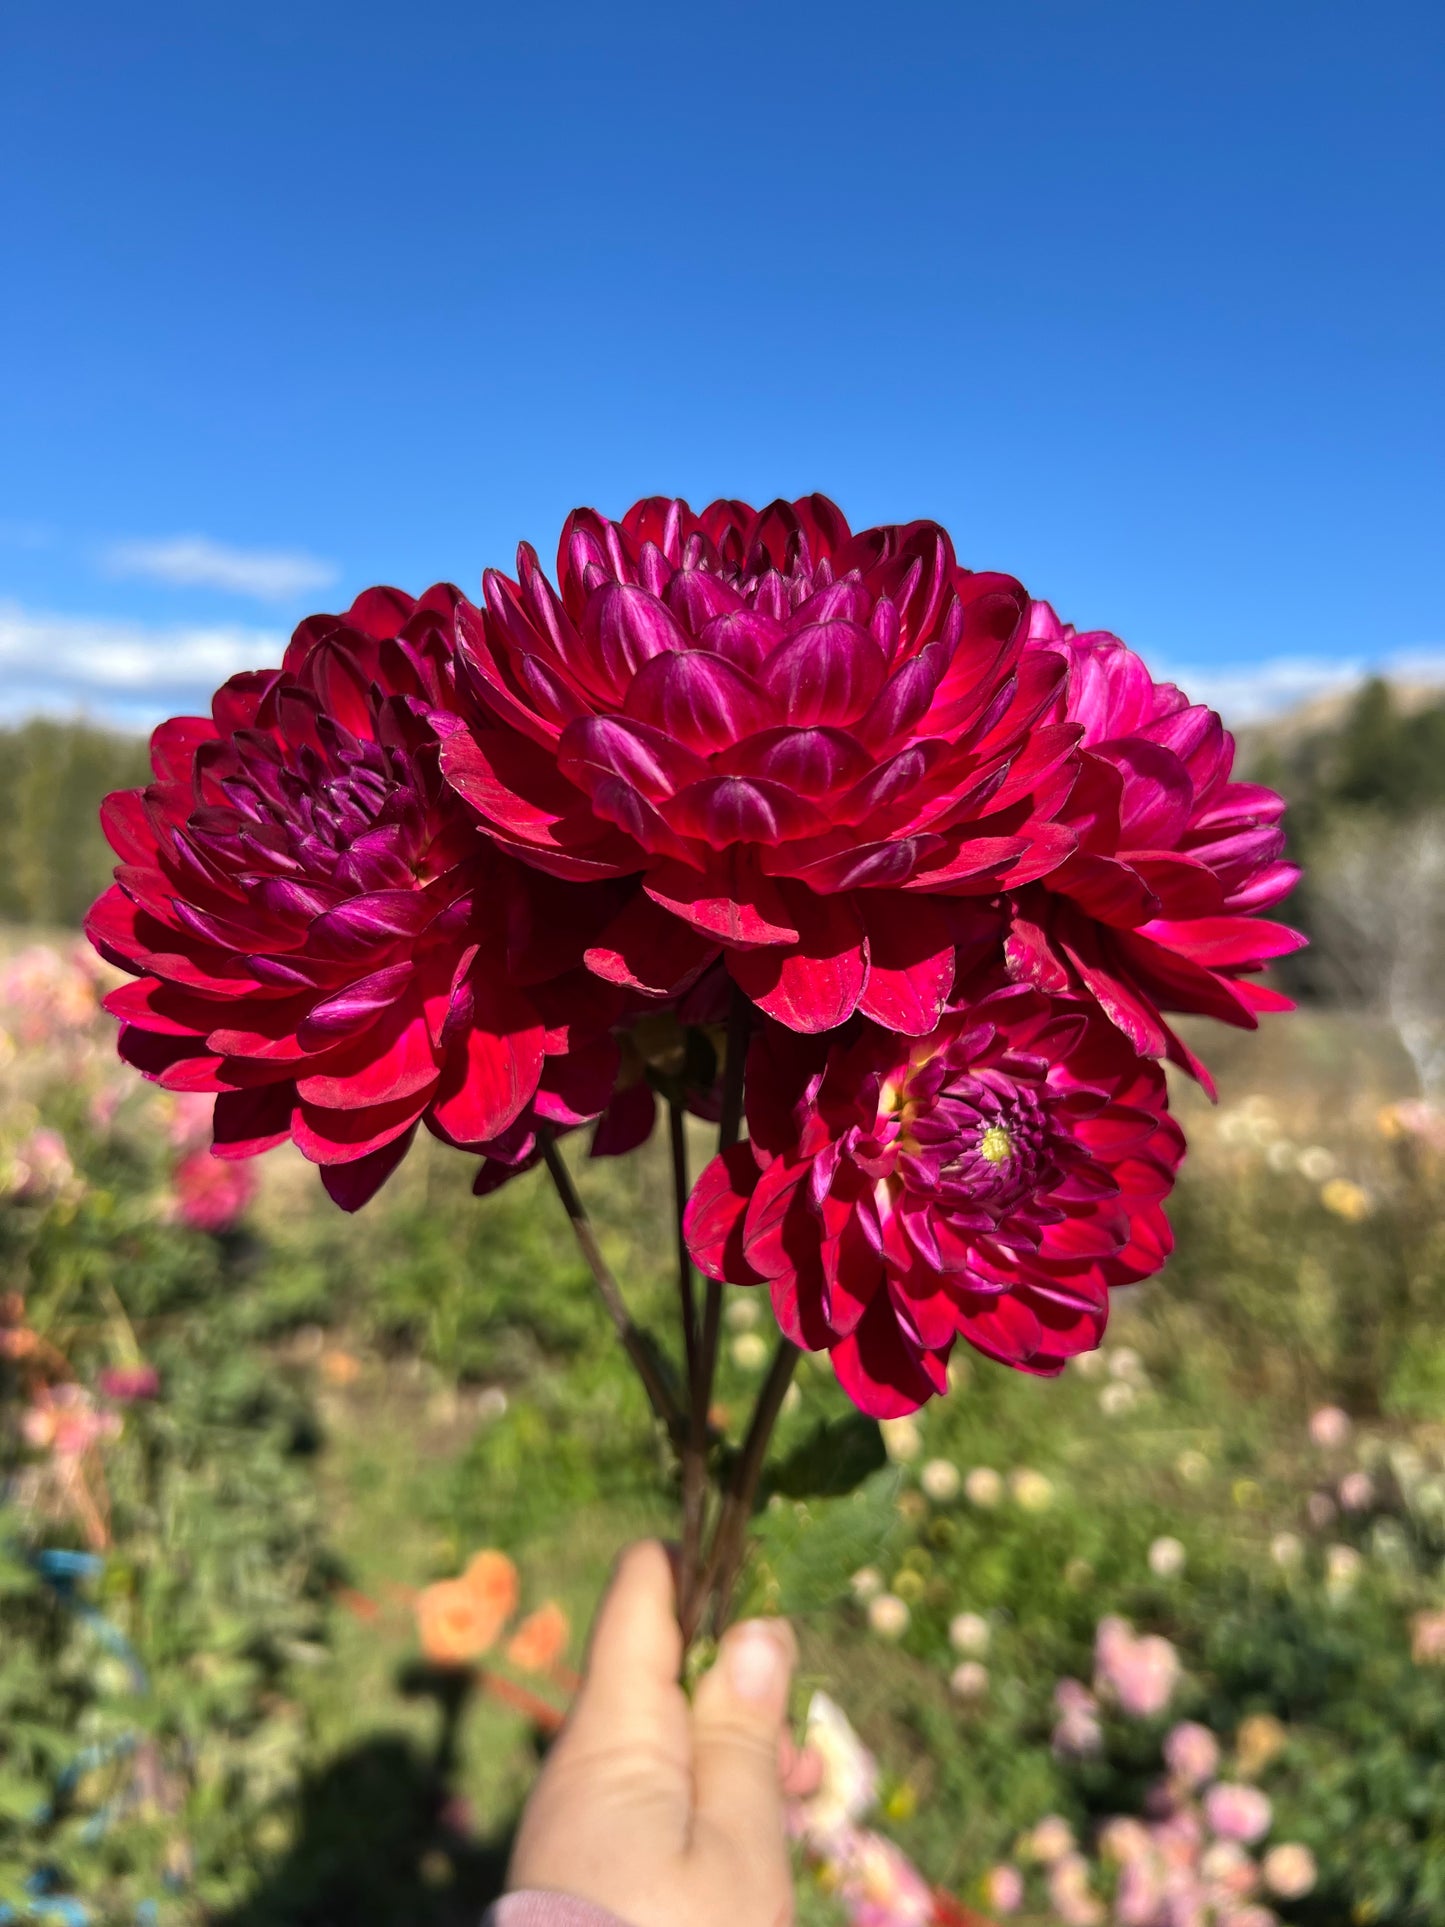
<point x="1155" y="910"/>
<point x="993" y="1181"/>
<point x="805" y="742"/>
<point x="321" y="935"/>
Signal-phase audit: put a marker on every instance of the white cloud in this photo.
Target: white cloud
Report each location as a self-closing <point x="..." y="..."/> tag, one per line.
<point x="196" y="562"/>
<point x="128" y="673"/>
<point x="1245" y="693"/>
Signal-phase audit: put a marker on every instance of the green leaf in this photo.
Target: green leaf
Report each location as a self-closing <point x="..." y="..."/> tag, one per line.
<point x="835" y="1458"/>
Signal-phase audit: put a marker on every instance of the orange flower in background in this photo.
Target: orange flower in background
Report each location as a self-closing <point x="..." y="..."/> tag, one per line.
<point x="491" y="1578"/>
<point x="541" y="1639"/>
<point x="453" y="1624"/>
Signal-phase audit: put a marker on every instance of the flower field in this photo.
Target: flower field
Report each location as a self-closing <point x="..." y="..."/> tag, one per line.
<point x="304" y="1517"/>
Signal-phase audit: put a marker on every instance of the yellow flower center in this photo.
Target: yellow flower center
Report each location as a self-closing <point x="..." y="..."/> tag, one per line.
<point x="996" y="1145"/>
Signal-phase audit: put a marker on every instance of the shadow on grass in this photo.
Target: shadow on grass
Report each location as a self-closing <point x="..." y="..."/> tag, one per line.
<point x="379" y="1840"/>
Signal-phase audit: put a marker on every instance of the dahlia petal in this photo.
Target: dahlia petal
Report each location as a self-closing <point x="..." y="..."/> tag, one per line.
<point x="871" y="866"/>
<point x="798" y="1309"/>
<point x="325" y="1135"/>
<point x="734" y="901"/>
<point x="1219" y="943"/>
<point x="827" y="672"/>
<point x="700" y="596"/>
<point x="507" y="779"/>
<point x="924" y="1308"/>
<point x="352" y="1009"/>
<point x="488" y="1078"/>
<point x="1158" y="794"/>
<point x="979" y="856"/>
<point x="627" y="1121"/>
<point x="356" y="1184"/>
<point x="175" y="1063"/>
<point x="128" y="828"/>
<point x="624" y="627"/>
<point x="815" y="986"/>
<point x="726" y="810"/>
<point x="641" y="755"/>
<point x="744" y="638"/>
<point x="174" y="743"/>
<point x="911" y="962"/>
<point x="136" y="1003"/>
<point x="363" y="924"/>
<point x="697" y="699"/>
<point x="813" y="762"/>
<point x="578" y="1086"/>
<point x="1112" y="891"/>
<point x="245" y="1123"/>
<point x="648" y="949"/>
<point x="1181" y="885"/>
<point x="713" y="1220"/>
<point x="765" y="1227"/>
<point x="389" y="1063"/>
<point x="880" y="1372"/>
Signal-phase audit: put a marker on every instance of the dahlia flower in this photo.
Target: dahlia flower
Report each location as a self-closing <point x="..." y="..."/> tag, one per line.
<point x="319" y="933"/>
<point x="802" y="741"/>
<point x="991" y="1181"/>
<point x="1154" y="910"/>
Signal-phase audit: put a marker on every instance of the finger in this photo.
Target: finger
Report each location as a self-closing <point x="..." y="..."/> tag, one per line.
<point x="737" y="1716"/>
<point x="630" y="1694"/>
<point x="800" y="1770"/>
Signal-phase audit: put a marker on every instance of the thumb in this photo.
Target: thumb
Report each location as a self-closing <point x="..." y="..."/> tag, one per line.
<point x="737" y="1716"/>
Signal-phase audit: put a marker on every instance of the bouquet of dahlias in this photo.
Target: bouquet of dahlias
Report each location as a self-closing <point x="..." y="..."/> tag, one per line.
<point x="816" y="833"/>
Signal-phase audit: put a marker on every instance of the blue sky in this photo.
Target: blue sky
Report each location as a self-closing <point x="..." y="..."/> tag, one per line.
<point x="1143" y="301"/>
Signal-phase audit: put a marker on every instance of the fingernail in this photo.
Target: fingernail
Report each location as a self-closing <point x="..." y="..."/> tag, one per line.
<point x="756" y="1666"/>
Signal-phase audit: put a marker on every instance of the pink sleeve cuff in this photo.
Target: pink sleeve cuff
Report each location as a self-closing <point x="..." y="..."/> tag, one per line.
<point x="548" y="1910"/>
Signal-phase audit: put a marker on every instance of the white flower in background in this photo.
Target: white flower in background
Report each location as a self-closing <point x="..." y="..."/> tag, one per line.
<point x="1316" y="1163"/>
<point x="983" y="1487"/>
<point x="969" y="1633"/>
<point x="941" y="1480"/>
<point x="1282" y="1156"/>
<point x="742" y="1314"/>
<point x="888" y="1616"/>
<point x="902" y="1439"/>
<point x="1287" y="1550"/>
<point x="969" y="1680"/>
<point x="1032" y="1490"/>
<point x="1343" y="1566"/>
<point x="1192" y="1467"/>
<point x="849" y="1784"/>
<point x="866" y="1584"/>
<point x="749" y="1351"/>
<point x="1167" y="1558"/>
<point x="1290" y="1870"/>
<point x="1090" y="1364"/>
<point x="1049" y="1840"/>
<point x="1125" y="1362"/>
<point x="1117" y="1399"/>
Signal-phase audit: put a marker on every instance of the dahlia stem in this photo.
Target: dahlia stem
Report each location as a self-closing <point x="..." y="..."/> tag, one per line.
<point x="730" y="1539"/>
<point x="694" y="1455"/>
<point x="634" y="1341"/>
<point x="740" y="1020"/>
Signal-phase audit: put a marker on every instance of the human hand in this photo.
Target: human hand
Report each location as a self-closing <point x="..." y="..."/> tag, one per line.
<point x="666" y="1813"/>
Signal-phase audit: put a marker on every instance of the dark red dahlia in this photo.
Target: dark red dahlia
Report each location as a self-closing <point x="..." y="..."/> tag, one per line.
<point x="992" y="1181"/>
<point x="319" y="931"/>
<point x="1156" y="908"/>
<point x="804" y="741"/>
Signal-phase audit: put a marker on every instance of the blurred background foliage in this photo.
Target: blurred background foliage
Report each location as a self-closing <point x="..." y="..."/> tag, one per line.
<point x="213" y="1703"/>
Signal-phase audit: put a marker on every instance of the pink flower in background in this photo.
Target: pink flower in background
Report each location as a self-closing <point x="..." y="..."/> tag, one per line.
<point x="1356" y="1492"/>
<point x="876" y="1882"/>
<point x="1427" y="1638"/>
<point x="128" y="1384"/>
<point x="188" y="1119"/>
<point x="1237" y="1812"/>
<point x="211" y="1195"/>
<point x="993" y="1181"/>
<point x="848" y="1787"/>
<point x="50" y="995"/>
<point x="1077" y="1734"/>
<point x="1003" y="1889"/>
<point x="1191" y="1753"/>
<point x="63" y="1420"/>
<point x="1070" y="1894"/>
<point x="807" y="743"/>
<point x="1154" y="910"/>
<point x="42" y="1166"/>
<point x="1228" y="1869"/>
<point x="1138" y="1672"/>
<point x="1330" y="1428"/>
